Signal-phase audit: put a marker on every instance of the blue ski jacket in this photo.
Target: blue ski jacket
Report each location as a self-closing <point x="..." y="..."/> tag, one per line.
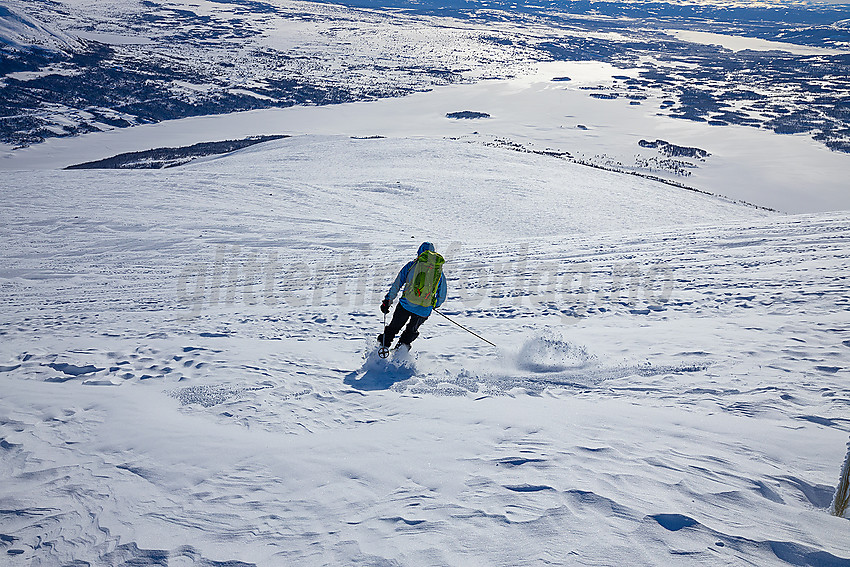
<point x="401" y="280"/>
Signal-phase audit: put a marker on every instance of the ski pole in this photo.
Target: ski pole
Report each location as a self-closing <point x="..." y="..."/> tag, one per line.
<point x="384" y="352"/>
<point x="465" y="329"/>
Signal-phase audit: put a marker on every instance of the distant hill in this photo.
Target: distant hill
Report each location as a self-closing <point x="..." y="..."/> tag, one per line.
<point x="23" y="32"/>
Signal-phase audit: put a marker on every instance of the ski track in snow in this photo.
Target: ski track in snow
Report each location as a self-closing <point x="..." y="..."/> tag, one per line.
<point x="161" y="404"/>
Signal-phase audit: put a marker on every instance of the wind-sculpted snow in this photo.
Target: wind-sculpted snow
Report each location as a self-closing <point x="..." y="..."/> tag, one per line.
<point x="190" y="377"/>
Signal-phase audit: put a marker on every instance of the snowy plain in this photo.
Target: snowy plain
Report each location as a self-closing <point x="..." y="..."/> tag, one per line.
<point x="189" y="375"/>
<point x="530" y="111"/>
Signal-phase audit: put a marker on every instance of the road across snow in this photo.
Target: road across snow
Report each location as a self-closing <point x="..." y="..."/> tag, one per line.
<point x="186" y="377"/>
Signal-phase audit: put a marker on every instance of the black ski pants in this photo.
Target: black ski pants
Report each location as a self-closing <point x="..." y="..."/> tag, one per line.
<point x="400" y="317"/>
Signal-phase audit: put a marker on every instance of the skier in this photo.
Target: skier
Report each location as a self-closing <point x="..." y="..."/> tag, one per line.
<point x="424" y="288"/>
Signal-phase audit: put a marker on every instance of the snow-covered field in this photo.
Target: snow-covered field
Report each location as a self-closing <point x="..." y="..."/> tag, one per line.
<point x="188" y="373"/>
<point x="790" y="173"/>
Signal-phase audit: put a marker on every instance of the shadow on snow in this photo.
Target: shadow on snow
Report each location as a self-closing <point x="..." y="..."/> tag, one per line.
<point x="381" y="374"/>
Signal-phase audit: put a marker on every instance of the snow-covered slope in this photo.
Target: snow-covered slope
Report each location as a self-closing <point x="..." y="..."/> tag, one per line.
<point x="184" y="381"/>
<point x="23" y="31"/>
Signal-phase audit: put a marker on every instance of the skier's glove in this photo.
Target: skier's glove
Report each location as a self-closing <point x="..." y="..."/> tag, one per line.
<point x="385" y="307"/>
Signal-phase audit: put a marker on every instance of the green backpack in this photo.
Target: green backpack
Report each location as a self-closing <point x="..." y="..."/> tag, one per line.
<point x="423" y="280"/>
